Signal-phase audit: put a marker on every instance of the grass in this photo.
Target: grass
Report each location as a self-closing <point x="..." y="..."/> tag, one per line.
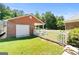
<point x="52" y="35"/>
<point x="29" y="46"/>
<point x="55" y="35"/>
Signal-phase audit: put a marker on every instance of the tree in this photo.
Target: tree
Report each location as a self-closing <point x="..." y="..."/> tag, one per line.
<point x="2" y="10"/>
<point x="21" y="13"/>
<point x="50" y="20"/>
<point x="6" y="12"/>
<point x="43" y="18"/>
<point x="17" y="13"/>
<point x="60" y="22"/>
<point x="38" y="15"/>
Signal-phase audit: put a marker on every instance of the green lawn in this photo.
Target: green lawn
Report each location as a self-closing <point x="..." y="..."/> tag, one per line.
<point x="52" y="35"/>
<point x="28" y="46"/>
<point x="55" y="35"/>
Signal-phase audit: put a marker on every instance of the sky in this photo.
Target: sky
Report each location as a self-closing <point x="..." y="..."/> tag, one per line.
<point x="58" y="9"/>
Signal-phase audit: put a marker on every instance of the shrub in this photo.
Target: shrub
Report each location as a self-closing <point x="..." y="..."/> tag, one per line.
<point x="73" y="37"/>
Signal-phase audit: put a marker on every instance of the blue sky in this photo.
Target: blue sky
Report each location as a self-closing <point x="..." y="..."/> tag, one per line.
<point x="65" y="9"/>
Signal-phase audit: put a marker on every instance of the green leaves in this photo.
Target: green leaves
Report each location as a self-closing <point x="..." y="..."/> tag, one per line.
<point x="6" y="12"/>
<point x="73" y="38"/>
<point x="60" y="22"/>
<point x="51" y="21"/>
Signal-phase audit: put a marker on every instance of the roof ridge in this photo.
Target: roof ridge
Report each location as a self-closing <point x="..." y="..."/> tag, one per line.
<point x="16" y="17"/>
<point x="25" y="16"/>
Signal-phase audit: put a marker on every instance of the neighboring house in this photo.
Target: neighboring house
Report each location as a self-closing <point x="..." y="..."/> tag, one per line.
<point x="72" y="22"/>
<point x="22" y="26"/>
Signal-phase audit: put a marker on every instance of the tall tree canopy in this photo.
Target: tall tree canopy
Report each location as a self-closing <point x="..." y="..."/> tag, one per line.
<point x="2" y="10"/>
<point x="17" y="13"/>
<point x="38" y="15"/>
<point x="51" y="21"/>
<point x="6" y="12"/>
<point x="60" y="22"/>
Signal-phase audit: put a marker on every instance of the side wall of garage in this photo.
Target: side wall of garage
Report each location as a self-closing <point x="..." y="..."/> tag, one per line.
<point x="11" y="29"/>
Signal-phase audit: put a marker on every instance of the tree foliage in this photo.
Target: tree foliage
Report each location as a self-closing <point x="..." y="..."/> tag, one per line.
<point x="2" y="10"/>
<point x="60" y="22"/>
<point x="73" y="37"/>
<point x="51" y="21"/>
<point x="38" y="15"/>
<point x="6" y="12"/>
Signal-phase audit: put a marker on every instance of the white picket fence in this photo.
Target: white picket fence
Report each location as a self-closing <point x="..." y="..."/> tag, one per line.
<point x="39" y="32"/>
<point x="63" y="37"/>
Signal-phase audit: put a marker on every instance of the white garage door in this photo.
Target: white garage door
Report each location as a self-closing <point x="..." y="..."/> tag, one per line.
<point x="22" y="30"/>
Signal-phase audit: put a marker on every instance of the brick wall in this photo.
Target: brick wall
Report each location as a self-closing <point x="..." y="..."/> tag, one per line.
<point x="25" y="20"/>
<point x="11" y="29"/>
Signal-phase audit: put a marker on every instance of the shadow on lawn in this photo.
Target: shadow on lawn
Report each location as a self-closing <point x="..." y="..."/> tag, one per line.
<point x="14" y="38"/>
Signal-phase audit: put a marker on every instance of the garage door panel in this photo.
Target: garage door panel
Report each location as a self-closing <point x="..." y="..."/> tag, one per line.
<point x="22" y="30"/>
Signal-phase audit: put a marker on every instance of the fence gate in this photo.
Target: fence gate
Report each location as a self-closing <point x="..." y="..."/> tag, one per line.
<point x="63" y="37"/>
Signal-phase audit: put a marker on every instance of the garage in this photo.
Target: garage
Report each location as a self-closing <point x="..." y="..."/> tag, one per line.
<point x="22" y="30"/>
<point x="22" y="26"/>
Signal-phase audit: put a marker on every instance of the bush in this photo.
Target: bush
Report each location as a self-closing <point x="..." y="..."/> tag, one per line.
<point x="73" y="37"/>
